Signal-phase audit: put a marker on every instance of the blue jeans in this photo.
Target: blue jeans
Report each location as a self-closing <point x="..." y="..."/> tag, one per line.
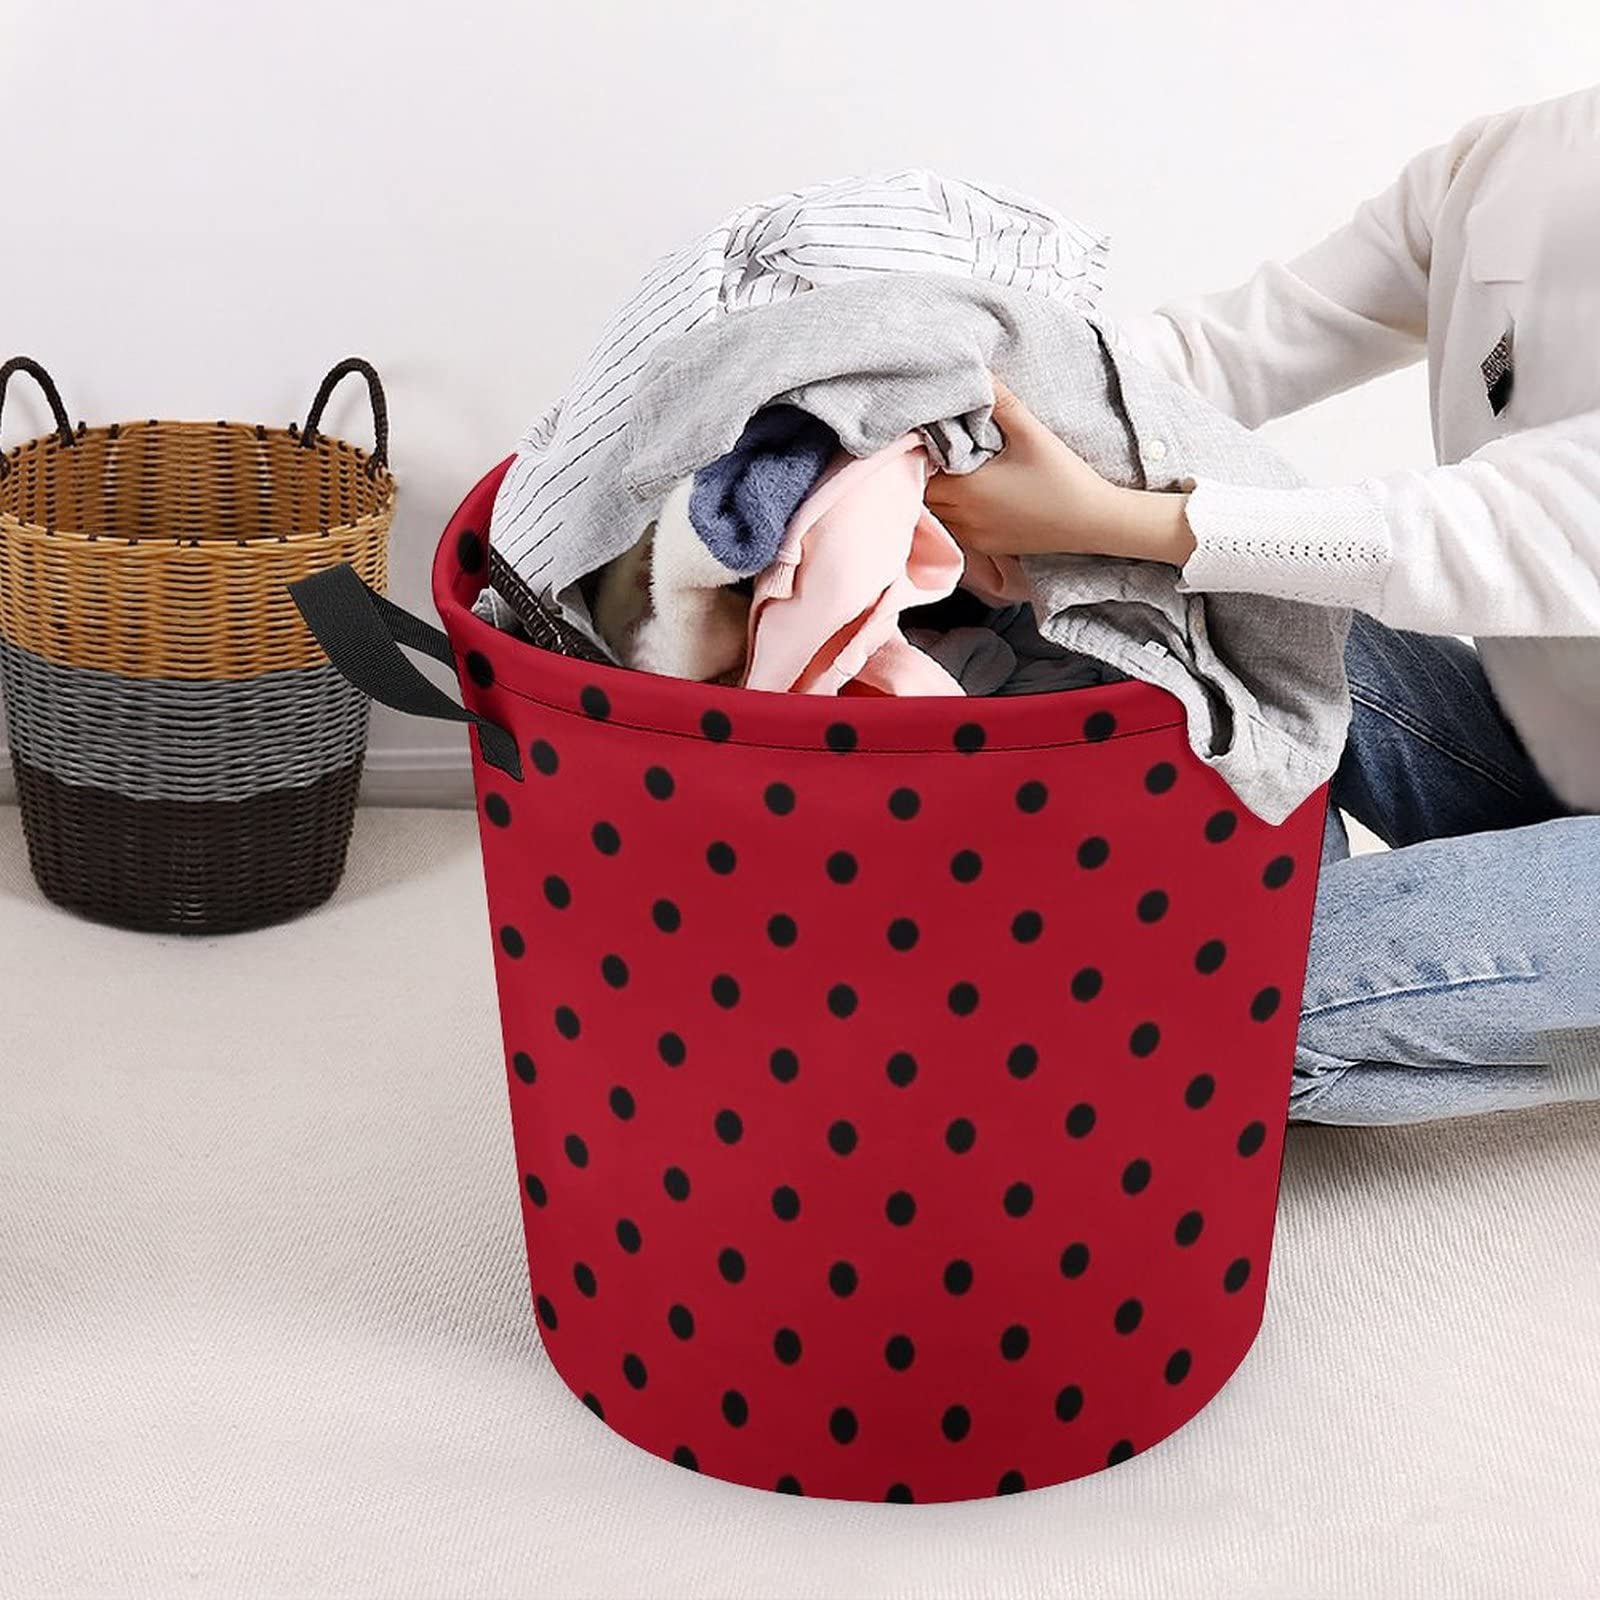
<point x="1436" y="966"/>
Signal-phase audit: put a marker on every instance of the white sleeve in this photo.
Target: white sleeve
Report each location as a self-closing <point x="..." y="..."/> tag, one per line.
<point x="1349" y="308"/>
<point x="1504" y="542"/>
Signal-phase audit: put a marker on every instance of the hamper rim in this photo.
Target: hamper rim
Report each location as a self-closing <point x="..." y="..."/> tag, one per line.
<point x="321" y="449"/>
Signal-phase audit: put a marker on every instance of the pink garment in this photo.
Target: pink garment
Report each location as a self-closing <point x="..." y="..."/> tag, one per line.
<point x="862" y="548"/>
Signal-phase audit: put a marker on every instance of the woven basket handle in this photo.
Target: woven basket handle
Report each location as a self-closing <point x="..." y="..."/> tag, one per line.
<point x="380" y="408"/>
<point x="51" y="393"/>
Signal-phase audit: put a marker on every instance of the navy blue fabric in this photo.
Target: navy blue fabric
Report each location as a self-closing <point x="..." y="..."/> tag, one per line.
<point x="742" y="502"/>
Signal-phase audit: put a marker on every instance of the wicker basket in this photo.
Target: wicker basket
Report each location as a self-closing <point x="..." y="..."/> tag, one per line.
<point x="186" y="759"/>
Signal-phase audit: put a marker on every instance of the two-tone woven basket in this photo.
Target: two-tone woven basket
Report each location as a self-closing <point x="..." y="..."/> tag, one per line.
<point x="186" y="760"/>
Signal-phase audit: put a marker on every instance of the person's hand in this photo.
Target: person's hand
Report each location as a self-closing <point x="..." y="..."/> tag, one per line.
<point x="1039" y="497"/>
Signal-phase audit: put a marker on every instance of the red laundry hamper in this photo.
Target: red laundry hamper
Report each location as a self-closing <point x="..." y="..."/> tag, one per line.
<point x="898" y="1086"/>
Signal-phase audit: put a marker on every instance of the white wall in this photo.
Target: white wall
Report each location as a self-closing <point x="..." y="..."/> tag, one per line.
<point x="206" y="203"/>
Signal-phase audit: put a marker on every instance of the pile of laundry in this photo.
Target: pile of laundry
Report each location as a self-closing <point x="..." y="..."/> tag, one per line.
<point x="732" y="489"/>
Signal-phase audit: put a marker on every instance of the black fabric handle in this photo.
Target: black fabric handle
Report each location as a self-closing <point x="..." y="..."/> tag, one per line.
<point x="362" y="633"/>
<point x="380" y="407"/>
<point x="51" y="393"/>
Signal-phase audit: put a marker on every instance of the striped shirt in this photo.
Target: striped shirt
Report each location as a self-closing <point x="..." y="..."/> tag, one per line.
<point x="912" y="221"/>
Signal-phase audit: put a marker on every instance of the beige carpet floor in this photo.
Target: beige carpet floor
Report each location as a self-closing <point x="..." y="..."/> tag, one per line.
<point x="264" y="1327"/>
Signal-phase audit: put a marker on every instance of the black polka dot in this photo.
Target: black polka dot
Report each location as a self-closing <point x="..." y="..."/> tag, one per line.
<point x="606" y="838"/>
<point x="786" y="1346"/>
<point x="1074" y="1261"/>
<point x="676" y="1182"/>
<point x="1144" y="1039"/>
<point x="968" y="738"/>
<point x="512" y="942"/>
<point x="903" y="934"/>
<point x="902" y="1069"/>
<point x="1129" y="1315"/>
<point x="479" y="669"/>
<point x="583" y="1277"/>
<point x="1080" y="1120"/>
<point x="1014" y="1342"/>
<point x="956" y="1424"/>
<point x="1136" y="1177"/>
<point x="496" y="809"/>
<point x="1018" y="1200"/>
<point x="1237" y="1275"/>
<point x="522" y="1065"/>
<point x="842" y="867"/>
<point x="840" y="736"/>
<point x="842" y="1279"/>
<point x="622" y="1104"/>
<point x="729" y="1126"/>
<point x="1093" y="852"/>
<point x="1099" y="725"/>
<point x="681" y="1320"/>
<point x="1279" y="870"/>
<point x="1069" y="1403"/>
<point x="899" y="1494"/>
<point x="546" y="1312"/>
<point x="843" y="1425"/>
<point x="683" y="1456"/>
<point x="735" y="1409"/>
<point x="731" y="1264"/>
<point x="614" y="970"/>
<point x="1032" y="797"/>
<point x="958" y="1277"/>
<point x="788" y="1484"/>
<point x="779" y="798"/>
<point x="672" y="1050"/>
<point x="785" y="1204"/>
<point x="1026" y="926"/>
<point x="900" y="1208"/>
<point x="1153" y="906"/>
<point x="1210" y="956"/>
<point x="842" y="1138"/>
<point x="595" y="702"/>
<point x="1265" y="1004"/>
<point x="567" y="1023"/>
<point x="593" y="1403"/>
<point x="557" y="892"/>
<point x="544" y="757"/>
<point x="965" y="865"/>
<point x="715" y="725"/>
<point x="1086" y="983"/>
<point x="1121" y="1451"/>
<point x="1201" y="1088"/>
<point x="658" y="783"/>
<point x="1220" y="826"/>
<point x="536" y="1191"/>
<point x="904" y="804"/>
<point x="961" y="1135"/>
<point x="1252" y="1137"/>
<point x="842" y="1000"/>
<point x="720" y="857"/>
<point x="900" y="1352"/>
<point x="784" y="1065"/>
<point x="1022" y="1061"/>
<point x="469" y="551"/>
<point x="1011" y="1483"/>
<point x="725" y="990"/>
<point x="1178" y="1366"/>
<point x="782" y="930"/>
<point x="1190" y="1226"/>
<point x="666" y="916"/>
<point x="628" y="1235"/>
<point x="963" y="999"/>
<point x="577" y="1151"/>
